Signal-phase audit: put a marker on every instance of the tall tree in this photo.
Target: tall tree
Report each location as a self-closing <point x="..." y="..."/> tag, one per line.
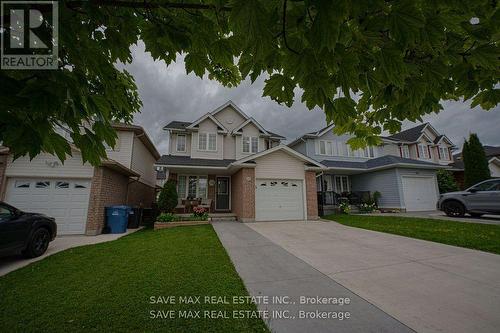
<point x="369" y="64"/>
<point x="475" y="162"/>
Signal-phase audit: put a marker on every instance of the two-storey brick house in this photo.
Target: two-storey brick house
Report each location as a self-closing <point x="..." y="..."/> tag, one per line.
<point x="231" y="163"/>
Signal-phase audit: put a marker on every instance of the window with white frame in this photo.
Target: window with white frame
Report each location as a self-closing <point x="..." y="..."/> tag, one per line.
<point x="405" y="151"/>
<point x="341" y="184"/>
<point x="369" y="152"/>
<point x="181" y="142"/>
<point x="423" y="151"/>
<point x="207" y="141"/>
<point x="444" y="153"/>
<point x="192" y="186"/>
<point x="250" y="144"/>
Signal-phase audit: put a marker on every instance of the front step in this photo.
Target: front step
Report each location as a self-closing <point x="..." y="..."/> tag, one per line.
<point x="223" y="217"/>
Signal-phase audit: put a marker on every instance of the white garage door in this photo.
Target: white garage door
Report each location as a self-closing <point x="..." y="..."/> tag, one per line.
<point x="420" y="193"/>
<point x="66" y="200"/>
<point x="278" y="199"/>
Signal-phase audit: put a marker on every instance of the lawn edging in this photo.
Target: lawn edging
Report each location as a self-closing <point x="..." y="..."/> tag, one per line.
<point x="166" y="225"/>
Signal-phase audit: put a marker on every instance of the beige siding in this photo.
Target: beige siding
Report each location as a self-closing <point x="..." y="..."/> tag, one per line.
<point x="122" y="152"/>
<point x="229" y="147"/>
<point x="143" y="162"/>
<point x="207" y="126"/>
<point x="46" y="165"/>
<point x="279" y="165"/>
<point x="173" y="145"/>
<point x="494" y="169"/>
<point x="230" y="118"/>
<point x="388" y="149"/>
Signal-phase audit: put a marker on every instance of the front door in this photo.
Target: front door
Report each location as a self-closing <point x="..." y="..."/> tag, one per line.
<point x="222" y="194"/>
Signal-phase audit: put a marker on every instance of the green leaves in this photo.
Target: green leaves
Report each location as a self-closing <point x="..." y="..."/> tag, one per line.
<point x="280" y="89"/>
<point x="397" y="59"/>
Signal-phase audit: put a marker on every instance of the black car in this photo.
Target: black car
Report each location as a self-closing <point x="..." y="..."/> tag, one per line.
<point x="28" y="233"/>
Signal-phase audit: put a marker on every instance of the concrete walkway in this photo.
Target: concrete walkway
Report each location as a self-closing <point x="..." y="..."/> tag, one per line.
<point x="438" y="215"/>
<point x="268" y="270"/>
<point x="428" y="286"/>
<point x="61" y="243"/>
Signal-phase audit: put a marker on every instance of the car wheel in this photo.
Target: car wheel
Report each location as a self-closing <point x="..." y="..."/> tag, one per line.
<point x="454" y="209"/>
<point x="38" y="244"/>
<point x="476" y="214"/>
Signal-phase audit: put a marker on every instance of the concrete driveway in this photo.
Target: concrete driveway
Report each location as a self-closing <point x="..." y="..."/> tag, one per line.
<point x="425" y="286"/>
<point x="61" y="243"/>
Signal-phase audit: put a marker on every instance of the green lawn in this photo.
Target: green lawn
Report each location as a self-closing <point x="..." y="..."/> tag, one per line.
<point x="477" y="236"/>
<point x="107" y="287"/>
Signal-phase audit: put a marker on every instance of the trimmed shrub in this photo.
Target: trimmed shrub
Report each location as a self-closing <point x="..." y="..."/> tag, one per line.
<point x="167" y="201"/>
<point x="446" y="181"/>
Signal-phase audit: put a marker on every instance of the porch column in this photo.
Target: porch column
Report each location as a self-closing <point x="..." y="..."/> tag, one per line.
<point x="243" y="194"/>
<point x="311" y="196"/>
<point x="211" y="191"/>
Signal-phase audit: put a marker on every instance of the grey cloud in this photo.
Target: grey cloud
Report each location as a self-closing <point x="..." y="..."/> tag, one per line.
<point x="169" y="94"/>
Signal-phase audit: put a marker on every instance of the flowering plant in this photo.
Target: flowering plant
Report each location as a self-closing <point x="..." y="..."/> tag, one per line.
<point x="367" y="207"/>
<point x="344" y="207"/>
<point x="199" y="211"/>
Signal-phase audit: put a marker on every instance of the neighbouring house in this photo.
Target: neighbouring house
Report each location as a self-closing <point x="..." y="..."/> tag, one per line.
<point x="402" y="169"/>
<point x="493" y="156"/>
<point x="231" y="163"/>
<point x="76" y="193"/>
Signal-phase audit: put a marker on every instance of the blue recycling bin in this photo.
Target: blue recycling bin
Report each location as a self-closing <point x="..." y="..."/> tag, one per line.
<point x="117" y="219"/>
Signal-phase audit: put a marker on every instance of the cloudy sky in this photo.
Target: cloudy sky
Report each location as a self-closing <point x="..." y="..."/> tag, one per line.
<point x="169" y="94"/>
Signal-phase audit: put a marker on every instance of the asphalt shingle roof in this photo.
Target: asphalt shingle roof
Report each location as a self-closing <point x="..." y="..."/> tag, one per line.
<point x="186" y="160"/>
<point x="178" y="124"/>
<point x="411" y="134"/>
<point x="491" y="151"/>
<point x="375" y="163"/>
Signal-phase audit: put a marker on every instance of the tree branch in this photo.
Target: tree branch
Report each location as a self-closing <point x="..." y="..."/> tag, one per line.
<point x="144" y="4"/>
<point x="284" y="29"/>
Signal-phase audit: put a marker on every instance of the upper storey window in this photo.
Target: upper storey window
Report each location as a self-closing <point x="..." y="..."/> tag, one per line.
<point x="444" y="153"/>
<point x="207" y="141"/>
<point x="405" y="151"/>
<point x="181" y="142"/>
<point x="423" y="151"/>
<point x="250" y="144"/>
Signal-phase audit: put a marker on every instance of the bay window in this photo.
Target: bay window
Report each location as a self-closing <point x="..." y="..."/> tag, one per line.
<point x="341" y="184"/>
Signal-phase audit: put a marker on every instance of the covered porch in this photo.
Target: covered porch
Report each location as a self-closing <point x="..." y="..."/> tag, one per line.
<point x="333" y="188"/>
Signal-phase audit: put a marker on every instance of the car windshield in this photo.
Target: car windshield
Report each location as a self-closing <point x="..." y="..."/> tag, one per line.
<point x="492" y="185"/>
<point x="5" y="213"/>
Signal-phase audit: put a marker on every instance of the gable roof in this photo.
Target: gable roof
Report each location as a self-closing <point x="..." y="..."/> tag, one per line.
<point x="491" y="151"/>
<point x="411" y="134"/>
<point x="314" y="134"/>
<point x="248" y="121"/>
<point x="386" y="161"/>
<point x="141" y="134"/>
<point x="177" y="125"/>
<point x="233" y="105"/>
<point x="277" y="136"/>
<point x="285" y="148"/>
<point x="209" y="116"/>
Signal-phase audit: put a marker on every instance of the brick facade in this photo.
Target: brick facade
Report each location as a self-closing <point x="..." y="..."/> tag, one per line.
<point x="243" y="194"/>
<point x="140" y="194"/>
<point x="108" y="188"/>
<point x="211" y="190"/>
<point x="3" y="179"/>
<point x="311" y="196"/>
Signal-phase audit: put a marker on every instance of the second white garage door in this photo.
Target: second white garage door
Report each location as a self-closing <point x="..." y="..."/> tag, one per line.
<point x="420" y="193"/>
<point x="279" y="200"/>
<point x="66" y="200"/>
